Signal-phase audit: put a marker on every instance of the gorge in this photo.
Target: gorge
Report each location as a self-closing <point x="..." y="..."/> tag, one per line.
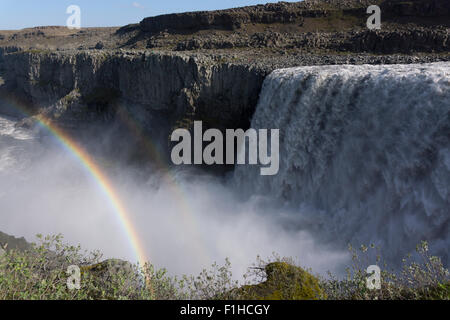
<point x="363" y="119"/>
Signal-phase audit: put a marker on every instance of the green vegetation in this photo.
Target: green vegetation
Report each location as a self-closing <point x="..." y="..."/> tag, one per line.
<point x="40" y="272"/>
<point x="420" y="278"/>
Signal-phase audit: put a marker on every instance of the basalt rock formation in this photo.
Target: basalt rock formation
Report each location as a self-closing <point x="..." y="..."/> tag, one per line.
<point x="283" y="282"/>
<point x="8" y="242"/>
<point x="86" y="84"/>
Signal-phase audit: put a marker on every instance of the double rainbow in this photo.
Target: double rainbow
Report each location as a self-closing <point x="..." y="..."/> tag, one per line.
<point x="95" y="171"/>
<point x="107" y="186"/>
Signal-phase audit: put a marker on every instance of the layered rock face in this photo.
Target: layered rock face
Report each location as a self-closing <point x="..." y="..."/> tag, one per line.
<point x="231" y="19"/>
<point x="227" y="19"/>
<point x="74" y="87"/>
<point x="8" y="242"/>
<point x="336" y="25"/>
<point x="404" y="41"/>
<point x="175" y="85"/>
<point x="424" y="8"/>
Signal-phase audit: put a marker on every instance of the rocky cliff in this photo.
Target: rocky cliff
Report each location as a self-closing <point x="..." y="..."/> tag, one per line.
<point x="221" y="90"/>
<point x="175" y="85"/>
<point x="8" y="242"/>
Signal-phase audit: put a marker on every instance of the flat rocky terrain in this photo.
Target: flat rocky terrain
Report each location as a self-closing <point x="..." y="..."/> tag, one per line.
<point x="273" y="30"/>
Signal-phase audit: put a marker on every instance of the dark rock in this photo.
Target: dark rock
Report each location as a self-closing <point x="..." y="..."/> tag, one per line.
<point x="230" y="19"/>
<point x="8" y="242"/>
<point x="422" y="8"/>
<point x="99" y="45"/>
<point x="284" y="282"/>
<point x="403" y="41"/>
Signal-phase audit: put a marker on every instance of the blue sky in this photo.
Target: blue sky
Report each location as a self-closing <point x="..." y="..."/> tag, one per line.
<point x="17" y="14"/>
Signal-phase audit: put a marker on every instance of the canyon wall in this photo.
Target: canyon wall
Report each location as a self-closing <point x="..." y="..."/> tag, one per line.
<point x="176" y="85"/>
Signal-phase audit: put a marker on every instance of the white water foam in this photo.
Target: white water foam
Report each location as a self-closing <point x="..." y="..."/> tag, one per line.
<point x="364" y="152"/>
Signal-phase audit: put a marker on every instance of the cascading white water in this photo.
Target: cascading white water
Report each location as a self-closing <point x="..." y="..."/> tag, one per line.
<point x="364" y="152"/>
<point x="12" y="142"/>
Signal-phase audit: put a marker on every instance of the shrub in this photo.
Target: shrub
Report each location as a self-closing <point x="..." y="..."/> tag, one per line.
<point x="427" y="279"/>
<point x="38" y="271"/>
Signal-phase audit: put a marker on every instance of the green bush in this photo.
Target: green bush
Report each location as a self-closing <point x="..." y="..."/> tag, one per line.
<point x="417" y="280"/>
<point x="39" y="271"/>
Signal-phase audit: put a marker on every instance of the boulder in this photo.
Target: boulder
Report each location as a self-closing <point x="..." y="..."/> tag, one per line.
<point x="284" y="282"/>
<point x="13" y="243"/>
<point x="421" y="8"/>
<point x="99" y="45"/>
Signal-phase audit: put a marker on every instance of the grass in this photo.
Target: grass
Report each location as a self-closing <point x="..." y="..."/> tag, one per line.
<point x="422" y="277"/>
<point x="40" y="273"/>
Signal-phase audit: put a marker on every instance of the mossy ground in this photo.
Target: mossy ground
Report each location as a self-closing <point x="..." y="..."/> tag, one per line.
<point x="284" y="282"/>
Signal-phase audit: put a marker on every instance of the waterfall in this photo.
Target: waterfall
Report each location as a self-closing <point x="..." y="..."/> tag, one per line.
<point x="364" y="152"/>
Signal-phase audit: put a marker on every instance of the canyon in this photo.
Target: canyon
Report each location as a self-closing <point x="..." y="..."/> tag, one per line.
<point x="311" y="69"/>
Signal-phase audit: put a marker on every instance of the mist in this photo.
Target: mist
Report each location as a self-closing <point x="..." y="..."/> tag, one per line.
<point x="185" y="221"/>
